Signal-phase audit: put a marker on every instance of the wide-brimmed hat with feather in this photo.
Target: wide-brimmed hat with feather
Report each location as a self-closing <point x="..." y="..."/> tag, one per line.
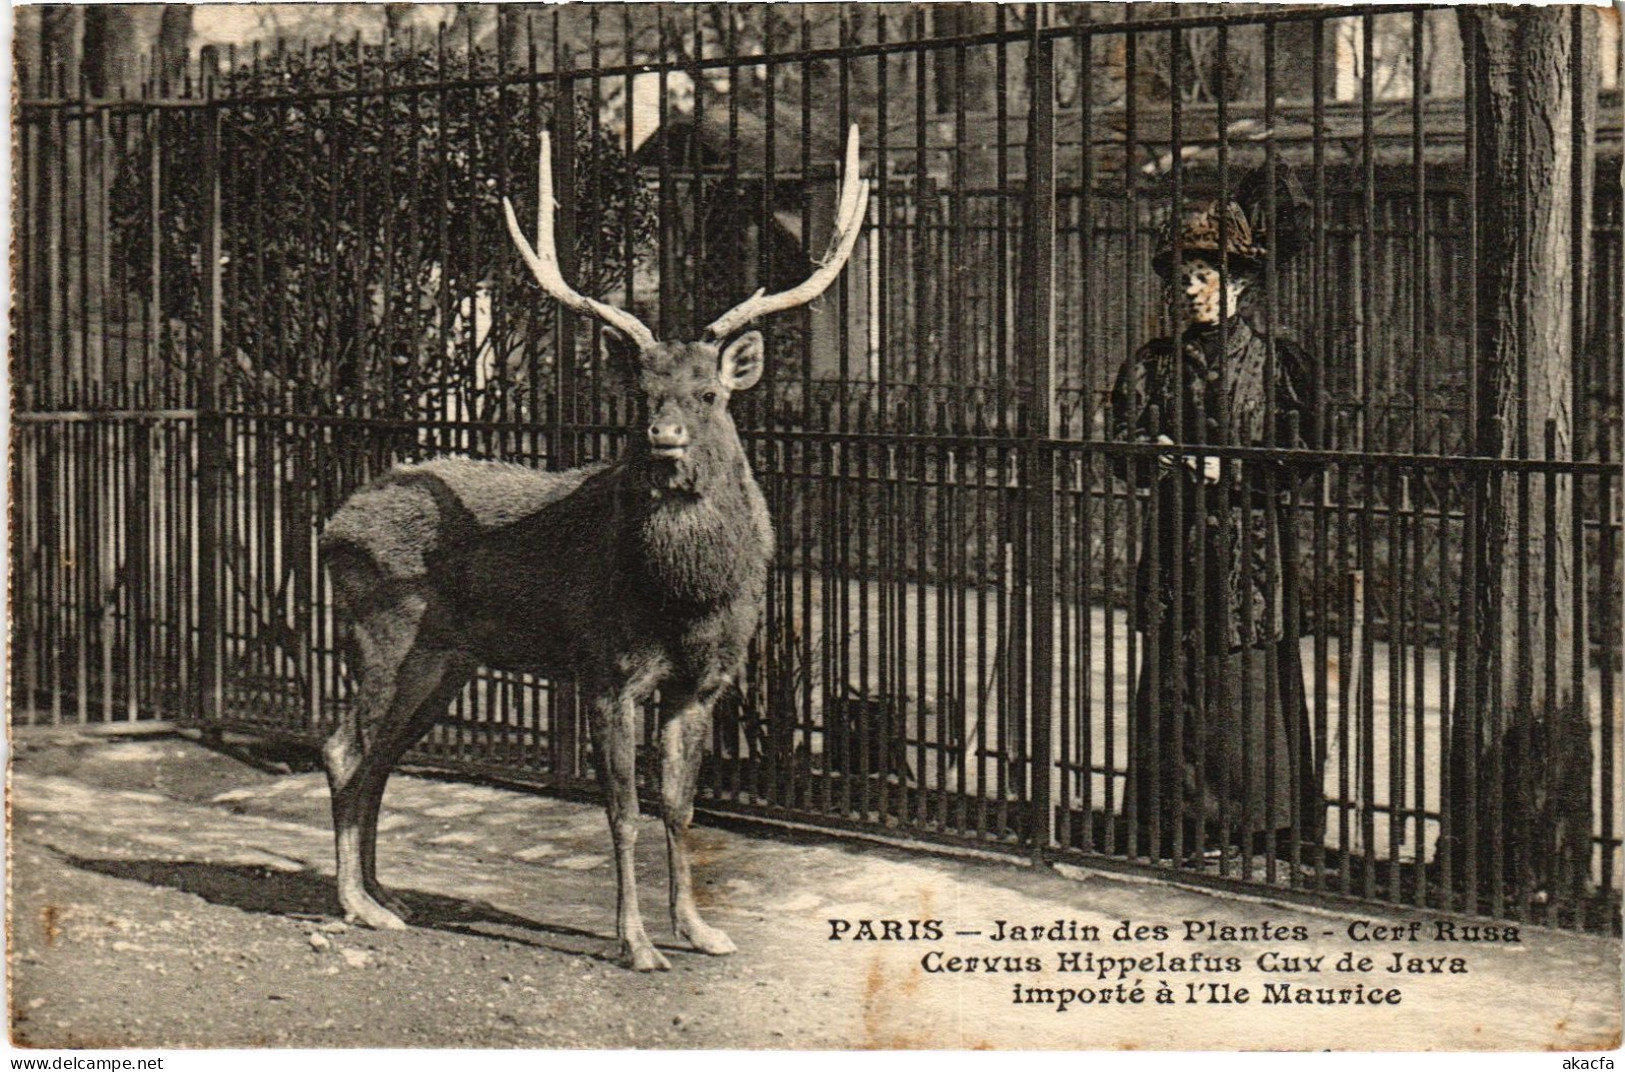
<point x="1246" y="228"/>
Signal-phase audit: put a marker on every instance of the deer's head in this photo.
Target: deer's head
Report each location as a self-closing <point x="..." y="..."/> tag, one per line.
<point x="685" y="386"/>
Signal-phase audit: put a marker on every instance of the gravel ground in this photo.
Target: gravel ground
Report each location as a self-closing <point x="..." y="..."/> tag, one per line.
<point x="166" y="895"/>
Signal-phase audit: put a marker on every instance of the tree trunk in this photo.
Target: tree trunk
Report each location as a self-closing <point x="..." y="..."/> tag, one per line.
<point x="1295" y="60"/>
<point x="113" y="46"/>
<point x="1517" y="719"/>
<point x="977" y="81"/>
<point x="397" y="17"/>
<point x="61" y="31"/>
<point x="26" y="31"/>
<point x="174" y="39"/>
<point x="1442" y="70"/>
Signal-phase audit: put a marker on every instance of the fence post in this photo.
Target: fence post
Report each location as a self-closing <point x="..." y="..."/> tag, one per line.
<point x="1037" y="348"/>
<point x="566" y="708"/>
<point x="211" y="445"/>
<point x="564" y="349"/>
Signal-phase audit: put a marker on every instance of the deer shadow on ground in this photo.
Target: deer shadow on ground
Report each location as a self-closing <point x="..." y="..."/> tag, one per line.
<point x="306" y="895"/>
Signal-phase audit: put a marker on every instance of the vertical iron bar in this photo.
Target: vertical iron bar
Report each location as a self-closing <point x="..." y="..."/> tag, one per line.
<point x="1281" y="601"/>
<point x="565" y="421"/>
<point x="25" y="338"/>
<point x="566" y="708"/>
<point x="895" y="734"/>
<point x="1473" y="667"/>
<point x="1001" y="337"/>
<point x="1607" y="558"/>
<point x="850" y="479"/>
<point x="1582" y="194"/>
<point x="102" y="279"/>
<point x="1366" y="661"/>
<point x="1396" y="691"/>
<point x="1089" y="377"/>
<point x="668" y="196"/>
<point x="696" y="256"/>
<point x="534" y="366"/>
<point x="1350" y="607"/>
<point x="1230" y="504"/>
<point x="1418" y="488"/>
<point x="77" y="313"/>
<point x="211" y="447"/>
<point x="943" y="529"/>
<point x="1189" y="506"/>
<point x="390" y="334"/>
<point x="1445" y="855"/>
<point x="804" y="316"/>
<point x="501" y="712"/>
<point x="1109" y="613"/>
<point x="829" y="660"/>
<point x="959" y="373"/>
<point x="846" y="35"/>
<point x="1069" y="677"/>
<point x="987" y="662"/>
<point x="768" y="784"/>
<point x="58" y="379"/>
<point x="79" y="341"/>
<point x="1557" y="725"/>
<point x="1322" y="441"/>
<point x="1419" y="232"/>
<point x="1514" y="826"/>
<point x="306" y="394"/>
<point x="1368" y="223"/>
<point x="1420" y="287"/>
<point x="1040" y="351"/>
<point x="1141" y="672"/>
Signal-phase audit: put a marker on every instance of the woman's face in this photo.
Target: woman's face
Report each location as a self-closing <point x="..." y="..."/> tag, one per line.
<point x="1196" y="289"/>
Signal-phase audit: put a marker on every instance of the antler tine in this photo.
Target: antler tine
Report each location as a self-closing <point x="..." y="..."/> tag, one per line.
<point x="849" y="216"/>
<point x="544" y="265"/>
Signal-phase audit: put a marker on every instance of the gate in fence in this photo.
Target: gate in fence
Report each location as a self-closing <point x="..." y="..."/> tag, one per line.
<point x="243" y="295"/>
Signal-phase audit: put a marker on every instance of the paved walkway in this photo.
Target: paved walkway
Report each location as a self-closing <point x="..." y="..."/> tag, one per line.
<point x="531" y="877"/>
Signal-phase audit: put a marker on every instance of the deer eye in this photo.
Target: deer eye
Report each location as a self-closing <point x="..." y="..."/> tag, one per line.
<point x="709" y="398"/>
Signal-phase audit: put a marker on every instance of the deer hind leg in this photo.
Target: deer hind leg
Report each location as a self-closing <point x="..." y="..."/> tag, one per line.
<point x="431" y="680"/>
<point x="615" y="735"/>
<point x="344" y="755"/>
<point x="682" y="747"/>
<point x="381" y="655"/>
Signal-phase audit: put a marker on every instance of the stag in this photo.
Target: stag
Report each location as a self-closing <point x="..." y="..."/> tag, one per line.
<point x="643" y="574"/>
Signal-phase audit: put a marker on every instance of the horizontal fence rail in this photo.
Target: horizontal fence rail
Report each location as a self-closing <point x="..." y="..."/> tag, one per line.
<point x="1373" y="656"/>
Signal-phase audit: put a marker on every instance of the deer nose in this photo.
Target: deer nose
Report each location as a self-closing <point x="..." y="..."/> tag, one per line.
<point x="668" y="439"/>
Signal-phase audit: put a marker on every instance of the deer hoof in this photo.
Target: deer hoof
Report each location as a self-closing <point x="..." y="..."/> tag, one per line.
<point x="643" y="958"/>
<point x="392" y="904"/>
<point x="708" y="939"/>
<point x="375" y="916"/>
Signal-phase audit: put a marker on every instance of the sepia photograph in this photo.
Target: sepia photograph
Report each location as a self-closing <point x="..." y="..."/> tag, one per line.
<point x="815" y="527"/>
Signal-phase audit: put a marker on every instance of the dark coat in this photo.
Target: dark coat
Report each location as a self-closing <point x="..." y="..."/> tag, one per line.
<point x="1222" y="734"/>
<point x="1196" y="398"/>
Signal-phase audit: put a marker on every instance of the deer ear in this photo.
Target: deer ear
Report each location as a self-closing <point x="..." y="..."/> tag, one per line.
<point x="622" y="359"/>
<point x="742" y="362"/>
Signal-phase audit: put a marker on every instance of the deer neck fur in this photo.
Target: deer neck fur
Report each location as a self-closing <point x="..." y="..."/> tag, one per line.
<point x="699" y="531"/>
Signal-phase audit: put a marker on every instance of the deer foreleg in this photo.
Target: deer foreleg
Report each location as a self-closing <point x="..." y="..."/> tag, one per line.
<point x="615" y="731"/>
<point x="682" y="748"/>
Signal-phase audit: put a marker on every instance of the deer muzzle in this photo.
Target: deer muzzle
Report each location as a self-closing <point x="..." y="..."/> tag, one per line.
<point x="668" y="439"/>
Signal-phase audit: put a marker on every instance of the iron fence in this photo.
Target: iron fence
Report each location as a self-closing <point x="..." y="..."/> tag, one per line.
<point x="243" y="296"/>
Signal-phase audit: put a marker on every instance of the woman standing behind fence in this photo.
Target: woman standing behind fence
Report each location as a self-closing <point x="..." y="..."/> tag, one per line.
<point x="1221" y="749"/>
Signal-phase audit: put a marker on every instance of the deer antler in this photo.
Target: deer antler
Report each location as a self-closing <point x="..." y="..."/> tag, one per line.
<point x="545" y="264"/>
<point x="854" y="202"/>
